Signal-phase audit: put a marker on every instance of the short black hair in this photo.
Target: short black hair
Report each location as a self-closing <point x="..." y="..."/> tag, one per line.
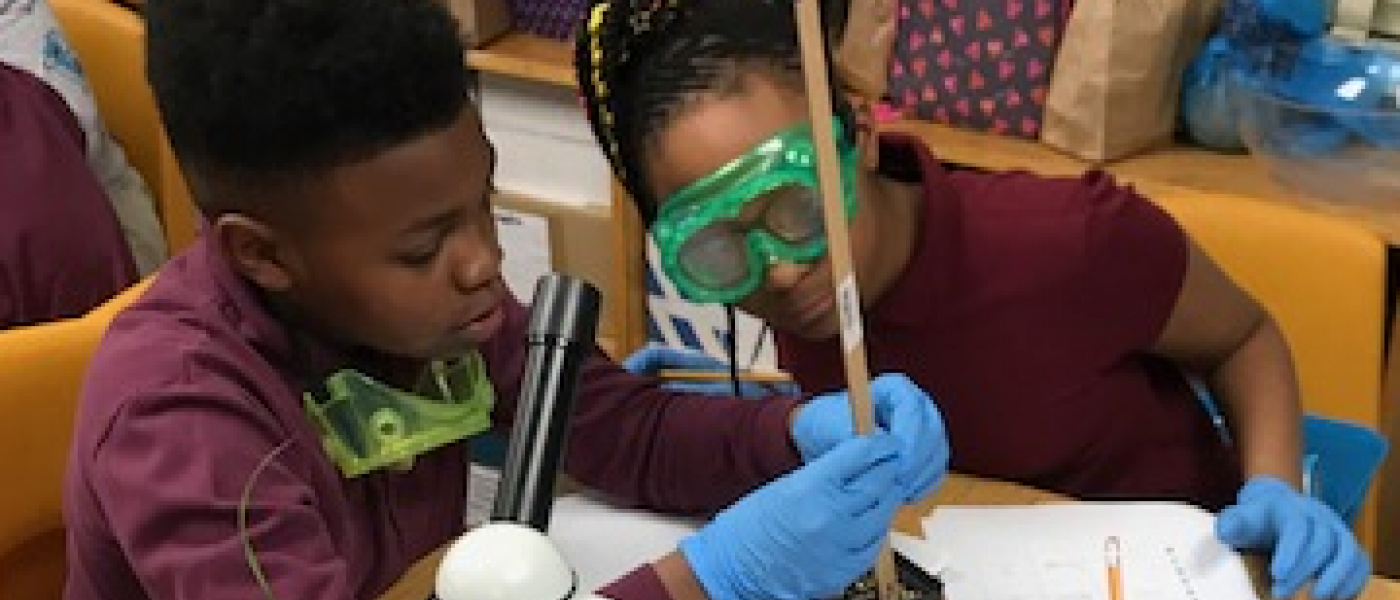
<point x="638" y="66"/>
<point x="261" y="93"/>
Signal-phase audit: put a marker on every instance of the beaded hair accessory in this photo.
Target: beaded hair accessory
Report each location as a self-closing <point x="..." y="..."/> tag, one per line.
<point x="614" y="35"/>
<point x="599" y="72"/>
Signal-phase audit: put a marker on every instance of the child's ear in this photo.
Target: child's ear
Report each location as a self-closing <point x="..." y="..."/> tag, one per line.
<point x="871" y="117"/>
<point x="866" y="130"/>
<point x="255" y="250"/>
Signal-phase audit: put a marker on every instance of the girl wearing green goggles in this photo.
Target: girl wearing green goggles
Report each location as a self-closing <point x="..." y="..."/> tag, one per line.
<point x="718" y="235"/>
<point x="1060" y="320"/>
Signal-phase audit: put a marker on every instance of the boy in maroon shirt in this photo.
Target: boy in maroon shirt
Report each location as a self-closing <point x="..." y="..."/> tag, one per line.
<point x="1056" y="321"/>
<point x="346" y="180"/>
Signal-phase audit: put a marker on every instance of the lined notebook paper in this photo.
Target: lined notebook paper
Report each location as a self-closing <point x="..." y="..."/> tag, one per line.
<point x="1057" y="552"/>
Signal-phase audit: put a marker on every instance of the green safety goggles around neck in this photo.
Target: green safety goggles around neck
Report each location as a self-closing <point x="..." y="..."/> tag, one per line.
<point x="367" y="425"/>
<point x="717" y="236"/>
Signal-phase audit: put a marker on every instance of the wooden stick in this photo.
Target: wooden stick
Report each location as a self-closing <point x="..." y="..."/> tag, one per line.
<point x="814" y="71"/>
<point x="707" y="376"/>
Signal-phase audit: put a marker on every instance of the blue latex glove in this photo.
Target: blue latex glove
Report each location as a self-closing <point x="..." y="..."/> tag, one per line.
<point x="902" y="409"/>
<point x="1308" y="539"/>
<point x="654" y="359"/>
<point x="809" y="534"/>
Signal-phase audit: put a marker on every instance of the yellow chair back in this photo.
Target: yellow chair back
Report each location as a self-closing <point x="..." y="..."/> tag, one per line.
<point x="1324" y="280"/>
<point x="40" y="386"/>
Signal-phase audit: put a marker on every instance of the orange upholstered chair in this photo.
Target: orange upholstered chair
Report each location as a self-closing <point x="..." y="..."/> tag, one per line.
<point x="41" y="375"/>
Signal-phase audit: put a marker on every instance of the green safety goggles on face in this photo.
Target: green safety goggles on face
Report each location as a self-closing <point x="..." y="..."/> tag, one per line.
<point x="717" y="236"/>
<point x="367" y="425"/>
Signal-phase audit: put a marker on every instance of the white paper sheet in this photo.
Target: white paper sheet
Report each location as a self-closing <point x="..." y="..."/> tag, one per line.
<point x="1057" y="552"/>
<point x="482" y="483"/>
<point x="604" y="542"/>
<point x="527" y="254"/>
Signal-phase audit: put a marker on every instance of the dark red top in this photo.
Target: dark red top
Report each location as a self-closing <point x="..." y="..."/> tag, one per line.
<point x="61" y="249"/>
<point x="196" y="383"/>
<point x="1027" y="311"/>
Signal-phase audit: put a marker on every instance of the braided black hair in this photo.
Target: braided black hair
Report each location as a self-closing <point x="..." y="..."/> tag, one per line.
<point x="640" y="62"/>
<point x="261" y="93"/>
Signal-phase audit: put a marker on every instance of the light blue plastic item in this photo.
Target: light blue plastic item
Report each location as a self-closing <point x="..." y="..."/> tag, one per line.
<point x="1344" y="458"/>
<point x="1249" y="32"/>
<point x="1209" y="108"/>
<point x="1258" y="22"/>
<point x="1314" y="108"/>
<point x="1336" y="85"/>
<point x="1323" y="118"/>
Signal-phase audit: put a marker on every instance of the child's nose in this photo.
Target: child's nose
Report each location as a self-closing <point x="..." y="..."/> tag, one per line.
<point x="476" y="266"/>
<point x="782" y="276"/>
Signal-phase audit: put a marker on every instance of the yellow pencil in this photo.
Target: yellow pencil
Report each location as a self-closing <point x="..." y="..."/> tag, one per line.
<point x="697" y="375"/>
<point x="1113" y="562"/>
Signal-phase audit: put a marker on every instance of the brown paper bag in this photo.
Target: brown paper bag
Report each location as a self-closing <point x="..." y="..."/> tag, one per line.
<point x="863" y="56"/>
<point x="1118" y="74"/>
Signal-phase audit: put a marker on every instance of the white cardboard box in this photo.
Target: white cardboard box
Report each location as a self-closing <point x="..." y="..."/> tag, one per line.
<point x="544" y="146"/>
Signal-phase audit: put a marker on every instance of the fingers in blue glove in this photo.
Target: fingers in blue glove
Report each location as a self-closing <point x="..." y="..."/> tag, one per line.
<point x="862" y="464"/>
<point x="747" y="389"/>
<point x="1304" y="546"/>
<point x="1354" y="582"/>
<point x="808" y="534"/>
<point x="1249" y="523"/>
<point x="1348" y="570"/>
<point x="821" y="424"/>
<point x="708" y="388"/>
<point x="653" y="359"/>
<point x="880" y="515"/>
<point x="901" y="408"/>
<point x="1309" y="541"/>
<point x="773" y="389"/>
<point x="1242" y="526"/>
<point x="866" y="470"/>
<point x="913" y="418"/>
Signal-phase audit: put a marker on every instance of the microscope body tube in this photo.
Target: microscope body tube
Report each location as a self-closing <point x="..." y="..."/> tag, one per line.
<point x="560" y="336"/>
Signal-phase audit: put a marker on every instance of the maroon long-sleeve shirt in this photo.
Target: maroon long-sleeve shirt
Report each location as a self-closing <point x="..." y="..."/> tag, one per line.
<point x="61" y="247"/>
<point x="197" y="383"/>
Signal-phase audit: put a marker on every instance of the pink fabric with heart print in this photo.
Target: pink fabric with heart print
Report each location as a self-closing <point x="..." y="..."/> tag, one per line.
<point x="555" y="19"/>
<point x="983" y="64"/>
